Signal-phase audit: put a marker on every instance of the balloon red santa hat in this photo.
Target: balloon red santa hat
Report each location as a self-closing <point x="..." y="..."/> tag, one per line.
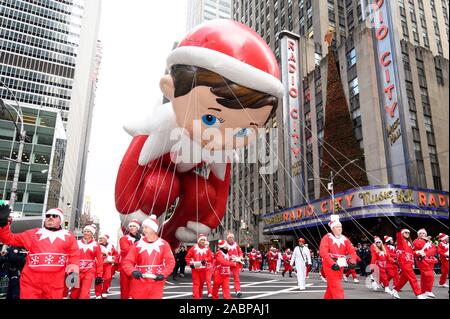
<point x="442" y="236"/>
<point x="151" y="222"/>
<point x="233" y="50"/>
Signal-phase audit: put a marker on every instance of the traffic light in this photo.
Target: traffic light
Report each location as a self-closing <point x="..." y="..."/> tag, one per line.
<point x="66" y="224"/>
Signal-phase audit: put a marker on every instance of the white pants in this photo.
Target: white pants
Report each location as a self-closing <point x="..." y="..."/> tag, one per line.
<point x="301" y="275"/>
<point x="278" y="265"/>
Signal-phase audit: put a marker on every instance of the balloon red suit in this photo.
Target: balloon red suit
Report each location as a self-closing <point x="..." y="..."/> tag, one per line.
<point x="153" y="173"/>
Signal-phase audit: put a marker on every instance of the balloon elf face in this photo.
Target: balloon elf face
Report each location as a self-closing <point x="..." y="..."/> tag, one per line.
<point x="216" y="112"/>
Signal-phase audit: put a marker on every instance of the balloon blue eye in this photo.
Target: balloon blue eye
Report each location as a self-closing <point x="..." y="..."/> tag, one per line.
<point x="209" y="119"/>
<point x="242" y="132"/>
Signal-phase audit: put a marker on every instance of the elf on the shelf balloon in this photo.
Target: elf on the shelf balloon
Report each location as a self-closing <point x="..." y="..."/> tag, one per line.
<point x="222" y="84"/>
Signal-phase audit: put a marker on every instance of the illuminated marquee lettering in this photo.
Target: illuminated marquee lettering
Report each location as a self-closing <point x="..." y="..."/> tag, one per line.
<point x="292" y="119"/>
<point x="361" y="202"/>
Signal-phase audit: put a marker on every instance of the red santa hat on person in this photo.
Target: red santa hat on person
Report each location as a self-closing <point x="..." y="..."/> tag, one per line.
<point x="56" y="211"/>
<point x="442" y="236"/>
<point x="200" y="237"/>
<point x="92" y="228"/>
<point x="134" y="222"/>
<point x="387" y="238"/>
<point x="377" y="239"/>
<point x="230" y="235"/>
<point x="233" y="50"/>
<point x="334" y="221"/>
<point x="422" y="231"/>
<point x="404" y="230"/>
<point x="222" y="243"/>
<point x="151" y="222"/>
<point x="105" y="236"/>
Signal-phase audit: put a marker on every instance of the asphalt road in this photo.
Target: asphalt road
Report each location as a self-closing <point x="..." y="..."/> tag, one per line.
<point x="273" y="286"/>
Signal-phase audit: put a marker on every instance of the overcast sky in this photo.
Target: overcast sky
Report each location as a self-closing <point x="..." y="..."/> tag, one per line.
<point x="137" y="36"/>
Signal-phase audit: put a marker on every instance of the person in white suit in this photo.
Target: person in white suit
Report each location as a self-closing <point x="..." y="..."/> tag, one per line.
<point x="279" y="260"/>
<point x="301" y="258"/>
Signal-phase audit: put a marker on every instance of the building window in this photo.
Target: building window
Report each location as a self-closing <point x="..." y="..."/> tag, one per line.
<point x="354" y="87"/>
<point x="351" y="58"/>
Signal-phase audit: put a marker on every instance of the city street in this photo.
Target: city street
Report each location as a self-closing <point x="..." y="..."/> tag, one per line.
<point x="269" y="286"/>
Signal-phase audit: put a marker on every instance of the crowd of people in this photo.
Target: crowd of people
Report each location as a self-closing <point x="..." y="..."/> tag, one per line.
<point x="52" y="264"/>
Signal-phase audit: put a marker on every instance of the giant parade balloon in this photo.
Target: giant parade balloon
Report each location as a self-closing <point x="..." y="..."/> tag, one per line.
<point x="223" y="83"/>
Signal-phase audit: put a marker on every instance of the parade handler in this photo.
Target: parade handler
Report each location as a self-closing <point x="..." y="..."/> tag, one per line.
<point x="334" y="248"/>
<point x="91" y="264"/>
<point x="150" y="261"/>
<point x="52" y="253"/>
<point x="128" y="239"/>
<point x="198" y="258"/>
<point x="301" y="258"/>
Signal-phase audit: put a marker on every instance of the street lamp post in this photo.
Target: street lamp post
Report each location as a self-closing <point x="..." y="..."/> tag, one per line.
<point x="22" y="135"/>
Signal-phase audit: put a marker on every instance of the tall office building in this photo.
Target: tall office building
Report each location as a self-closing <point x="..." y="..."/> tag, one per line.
<point x="47" y="58"/>
<point x="398" y="63"/>
<point x="203" y="10"/>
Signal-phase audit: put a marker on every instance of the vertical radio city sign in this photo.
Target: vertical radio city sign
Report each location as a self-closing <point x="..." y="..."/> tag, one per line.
<point x="292" y="114"/>
<point x="390" y="96"/>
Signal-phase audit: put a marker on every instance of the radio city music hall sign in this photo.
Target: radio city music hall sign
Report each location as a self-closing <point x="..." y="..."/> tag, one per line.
<point x="370" y="196"/>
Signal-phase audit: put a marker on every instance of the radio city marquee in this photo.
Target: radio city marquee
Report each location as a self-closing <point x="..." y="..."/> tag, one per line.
<point x="369" y="201"/>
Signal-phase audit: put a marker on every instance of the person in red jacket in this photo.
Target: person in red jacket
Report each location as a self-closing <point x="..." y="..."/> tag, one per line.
<point x="287" y="262"/>
<point x="197" y="258"/>
<point x="150" y="261"/>
<point x="91" y="264"/>
<point x="235" y="253"/>
<point x="125" y="243"/>
<point x="406" y="255"/>
<point x="258" y="261"/>
<point x="110" y="255"/>
<point x="272" y="257"/>
<point x="352" y="271"/>
<point x="251" y="260"/>
<point x="222" y="271"/>
<point x="392" y="263"/>
<point x="52" y="253"/>
<point x="334" y="247"/>
<point x="425" y="252"/>
<point x="443" y="257"/>
<point x="378" y="263"/>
